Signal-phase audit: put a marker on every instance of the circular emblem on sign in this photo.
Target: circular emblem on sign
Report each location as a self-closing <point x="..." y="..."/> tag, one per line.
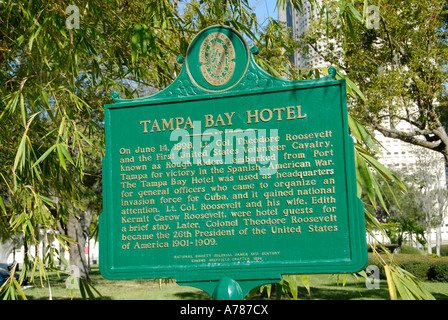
<point x="217" y="59"/>
<point x="216" y="56"/>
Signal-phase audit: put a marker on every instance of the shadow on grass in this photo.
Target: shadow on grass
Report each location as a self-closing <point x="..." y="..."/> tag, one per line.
<point x="440" y="296"/>
<point x="349" y="291"/>
<point x="64" y="298"/>
<point x="345" y="293"/>
<point x="192" y="296"/>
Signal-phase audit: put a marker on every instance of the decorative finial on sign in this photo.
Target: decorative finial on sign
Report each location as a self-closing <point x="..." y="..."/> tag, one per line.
<point x="228" y="289"/>
<point x="255" y="50"/>
<point x="332" y="72"/>
<point x="114" y="95"/>
<point x="180" y="59"/>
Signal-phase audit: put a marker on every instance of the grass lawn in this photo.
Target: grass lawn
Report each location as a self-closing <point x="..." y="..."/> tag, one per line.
<point x="138" y="289"/>
<point x="323" y="287"/>
<point x="329" y="287"/>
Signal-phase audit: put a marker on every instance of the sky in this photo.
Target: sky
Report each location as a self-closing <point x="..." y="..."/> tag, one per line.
<point x="264" y="9"/>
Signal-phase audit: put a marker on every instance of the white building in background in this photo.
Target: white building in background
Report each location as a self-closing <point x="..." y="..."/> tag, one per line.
<point x="298" y="23"/>
<point x="17" y="255"/>
<point x="403" y="157"/>
<point x="397" y="155"/>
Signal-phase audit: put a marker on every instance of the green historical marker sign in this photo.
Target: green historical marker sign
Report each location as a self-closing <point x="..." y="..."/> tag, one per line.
<point x="230" y="177"/>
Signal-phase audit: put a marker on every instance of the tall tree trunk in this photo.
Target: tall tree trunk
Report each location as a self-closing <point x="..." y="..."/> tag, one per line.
<point x="78" y="231"/>
<point x="428" y="232"/>
<point x="439" y="229"/>
<point x="442" y="203"/>
<point x="6" y="247"/>
<point x="445" y="157"/>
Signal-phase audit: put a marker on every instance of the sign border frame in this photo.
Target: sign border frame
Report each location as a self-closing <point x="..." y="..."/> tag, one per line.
<point x="259" y="271"/>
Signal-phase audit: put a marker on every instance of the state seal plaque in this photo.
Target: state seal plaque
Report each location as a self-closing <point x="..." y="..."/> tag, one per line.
<point x="217" y="58"/>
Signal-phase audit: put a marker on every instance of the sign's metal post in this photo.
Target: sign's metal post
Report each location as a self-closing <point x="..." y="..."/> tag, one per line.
<point x="224" y="289"/>
<point x="227" y="288"/>
<point x="230" y="177"/>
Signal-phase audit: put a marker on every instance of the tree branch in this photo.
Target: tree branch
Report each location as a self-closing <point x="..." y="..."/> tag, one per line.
<point x="411" y="137"/>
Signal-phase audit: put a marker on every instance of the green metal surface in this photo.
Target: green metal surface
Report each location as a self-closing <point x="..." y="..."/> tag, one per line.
<point x="230" y="177"/>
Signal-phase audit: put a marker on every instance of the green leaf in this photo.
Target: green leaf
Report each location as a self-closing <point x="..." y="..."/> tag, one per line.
<point x="135" y="42"/>
<point x="12" y="104"/>
<point x="45" y="155"/>
<point x="30" y="42"/>
<point x="66" y="153"/>
<point x="22" y="109"/>
<point x="20" y="155"/>
<point x="348" y="20"/>
<point x="2" y="205"/>
<point x="61" y="156"/>
<point x="382" y="170"/>
<point x="403" y="282"/>
<point x="355" y="13"/>
<point x="354" y="88"/>
<point x="362" y="135"/>
<point x="390" y="283"/>
<point x="293" y="288"/>
<point x="365" y="177"/>
<point x="145" y="40"/>
<point x="87" y="290"/>
<point x="306" y="282"/>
